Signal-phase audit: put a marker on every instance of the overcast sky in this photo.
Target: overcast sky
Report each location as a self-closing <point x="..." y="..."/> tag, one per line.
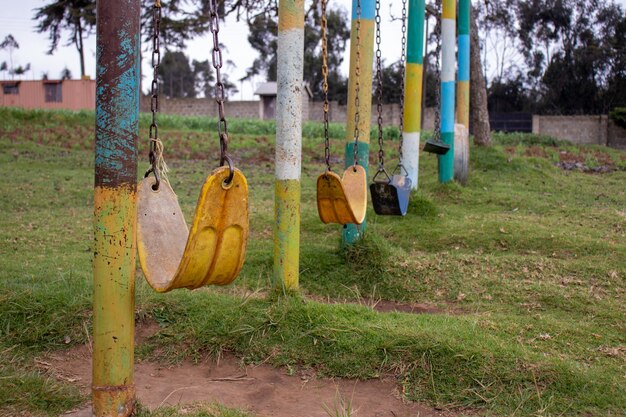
<point x="16" y="19"/>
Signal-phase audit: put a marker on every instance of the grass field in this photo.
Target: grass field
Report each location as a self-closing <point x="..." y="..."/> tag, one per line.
<point x="526" y="267"/>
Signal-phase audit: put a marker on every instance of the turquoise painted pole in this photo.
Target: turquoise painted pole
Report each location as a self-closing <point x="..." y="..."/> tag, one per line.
<point x="352" y="233"/>
<point x="448" y="75"/>
<point x="463" y="85"/>
<point x="117" y="128"/>
<point x="413" y="90"/>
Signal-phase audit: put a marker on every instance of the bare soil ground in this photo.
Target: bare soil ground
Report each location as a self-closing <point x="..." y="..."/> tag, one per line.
<point x="259" y="389"/>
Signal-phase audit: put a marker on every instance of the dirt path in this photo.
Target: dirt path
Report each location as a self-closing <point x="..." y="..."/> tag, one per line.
<point x="260" y="389"/>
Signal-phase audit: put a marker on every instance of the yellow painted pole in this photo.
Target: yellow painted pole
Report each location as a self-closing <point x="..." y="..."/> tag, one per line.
<point x="117" y="115"/>
<point x="463" y="84"/>
<point x="413" y="91"/>
<point x="364" y="59"/>
<point x="288" y="144"/>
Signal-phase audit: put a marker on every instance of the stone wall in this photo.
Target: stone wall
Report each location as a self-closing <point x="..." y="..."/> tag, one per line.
<point x="596" y="130"/>
<point x="204" y="107"/>
<point x="391" y="114"/>
<point x="616" y="136"/>
<point x="589" y="130"/>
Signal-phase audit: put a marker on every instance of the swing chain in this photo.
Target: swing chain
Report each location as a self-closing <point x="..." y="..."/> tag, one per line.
<point x="402" y="85"/>
<point x="220" y="93"/>
<point x="437" y="130"/>
<point x="325" y="85"/>
<point x="379" y="92"/>
<point x="357" y="74"/>
<point x="154" y="99"/>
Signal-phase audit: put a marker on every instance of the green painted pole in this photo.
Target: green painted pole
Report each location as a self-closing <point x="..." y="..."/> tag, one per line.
<point x="352" y="233"/>
<point x="448" y="76"/>
<point x="288" y="144"/>
<point x="117" y="115"/>
<point x="463" y="85"/>
<point x="413" y="90"/>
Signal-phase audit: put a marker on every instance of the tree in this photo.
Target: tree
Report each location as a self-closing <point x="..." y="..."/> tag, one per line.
<point x="338" y="34"/>
<point x="11" y="44"/>
<point x="20" y="70"/>
<point x="263" y="38"/>
<point x="478" y="89"/>
<point x="180" y="79"/>
<point x="76" y="16"/>
<point x="176" y="76"/>
<point x="4" y="67"/>
<point x="203" y="77"/>
<point x="66" y="74"/>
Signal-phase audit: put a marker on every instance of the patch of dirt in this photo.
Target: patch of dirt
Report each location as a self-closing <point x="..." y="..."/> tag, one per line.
<point x="578" y="162"/>
<point x="260" y="389"/>
<point x="385" y="306"/>
<point x="536" y="152"/>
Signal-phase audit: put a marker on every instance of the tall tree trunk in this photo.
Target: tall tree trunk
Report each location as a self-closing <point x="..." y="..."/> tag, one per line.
<point x="80" y="47"/>
<point x="478" y="90"/>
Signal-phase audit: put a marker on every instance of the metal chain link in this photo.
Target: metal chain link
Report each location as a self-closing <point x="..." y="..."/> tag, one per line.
<point x="220" y="93"/>
<point x="402" y="83"/>
<point x="379" y="91"/>
<point x="154" y="91"/>
<point x="325" y="86"/>
<point x="437" y="130"/>
<point x="357" y="74"/>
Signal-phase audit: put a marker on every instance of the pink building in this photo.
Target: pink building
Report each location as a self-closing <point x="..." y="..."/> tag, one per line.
<point x="49" y="94"/>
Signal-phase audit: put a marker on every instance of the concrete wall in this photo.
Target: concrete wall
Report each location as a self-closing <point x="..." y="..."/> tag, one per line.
<point x="76" y="95"/>
<point x="589" y="130"/>
<point x="204" y="107"/>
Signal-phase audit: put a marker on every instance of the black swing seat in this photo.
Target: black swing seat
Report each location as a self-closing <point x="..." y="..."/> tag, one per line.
<point x="436" y="147"/>
<point x="390" y="195"/>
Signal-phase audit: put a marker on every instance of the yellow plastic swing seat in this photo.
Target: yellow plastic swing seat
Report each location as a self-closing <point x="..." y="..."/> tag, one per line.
<point x="212" y="253"/>
<point x="342" y="200"/>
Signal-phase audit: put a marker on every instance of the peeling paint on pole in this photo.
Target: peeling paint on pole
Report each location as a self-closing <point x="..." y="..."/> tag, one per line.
<point x="117" y="114"/>
<point x="352" y="233"/>
<point x="288" y="144"/>
<point x="413" y="90"/>
<point x="463" y="86"/>
<point x="448" y="76"/>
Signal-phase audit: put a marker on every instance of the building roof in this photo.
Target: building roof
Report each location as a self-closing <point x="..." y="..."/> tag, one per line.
<point x="270" y="88"/>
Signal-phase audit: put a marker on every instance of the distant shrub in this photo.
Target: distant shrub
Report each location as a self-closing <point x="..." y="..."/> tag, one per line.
<point x="619" y="116"/>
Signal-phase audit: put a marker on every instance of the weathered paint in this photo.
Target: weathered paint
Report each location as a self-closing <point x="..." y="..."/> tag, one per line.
<point x="114" y="301"/>
<point x="287" y="234"/>
<point x="414" y="74"/>
<point x="352" y="233"/>
<point x="289" y="15"/>
<point x="448" y="73"/>
<point x="411" y="152"/>
<point x="290" y="68"/>
<point x="117" y="113"/>
<point x="463" y="85"/>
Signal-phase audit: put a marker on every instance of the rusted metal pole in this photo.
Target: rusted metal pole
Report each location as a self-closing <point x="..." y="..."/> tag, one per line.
<point x="117" y="114"/>
<point x="288" y="144"/>
<point x="365" y="59"/>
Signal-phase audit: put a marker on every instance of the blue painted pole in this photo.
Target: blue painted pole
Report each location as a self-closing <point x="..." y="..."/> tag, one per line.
<point x="448" y="77"/>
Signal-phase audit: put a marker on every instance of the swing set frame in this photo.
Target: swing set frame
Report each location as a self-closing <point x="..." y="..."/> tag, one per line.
<point x="117" y="133"/>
